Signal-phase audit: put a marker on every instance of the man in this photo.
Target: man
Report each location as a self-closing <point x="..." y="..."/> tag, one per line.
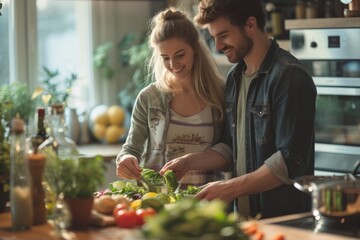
<point x="270" y="112"/>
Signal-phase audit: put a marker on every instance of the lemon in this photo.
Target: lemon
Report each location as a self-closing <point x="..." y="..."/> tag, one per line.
<point x="135" y="204"/>
<point x="99" y="115"/>
<point x="113" y="133"/>
<point x="149" y="195"/>
<point x="116" y="115"/>
<point x="99" y="131"/>
<point x="172" y="199"/>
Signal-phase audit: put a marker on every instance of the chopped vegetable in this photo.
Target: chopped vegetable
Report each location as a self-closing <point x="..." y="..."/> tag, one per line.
<point x="128" y="189"/>
<point x="191" y="218"/>
<point x="170" y="181"/>
<point x="152" y="180"/>
<point x="279" y="236"/>
<point x="251" y="229"/>
<point x="259" y="235"/>
<point x="153" y="177"/>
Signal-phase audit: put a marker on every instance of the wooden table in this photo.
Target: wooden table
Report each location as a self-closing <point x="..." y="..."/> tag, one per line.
<point x="47" y="232"/>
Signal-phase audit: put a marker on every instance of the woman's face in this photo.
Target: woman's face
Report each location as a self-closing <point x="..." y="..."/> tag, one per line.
<point x="178" y="57"/>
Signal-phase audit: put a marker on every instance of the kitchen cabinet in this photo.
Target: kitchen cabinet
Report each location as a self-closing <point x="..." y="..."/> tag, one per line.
<point x="322" y="23"/>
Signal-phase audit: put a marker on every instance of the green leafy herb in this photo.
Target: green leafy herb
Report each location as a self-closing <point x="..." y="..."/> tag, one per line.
<point x="128" y="189"/>
<point x="193" y="219"/>
<point x="17" y="98"/>
<point x="75" y="177"/>
<point x="152" y="177"/>
<point x="171" y="181"/>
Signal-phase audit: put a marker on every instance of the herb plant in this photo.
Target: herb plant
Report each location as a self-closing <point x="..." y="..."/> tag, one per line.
<point x="54" y="89"/>
<point x="4" y="151"/>
<point x="74" y="177"/>
<point x="18" y="100"/>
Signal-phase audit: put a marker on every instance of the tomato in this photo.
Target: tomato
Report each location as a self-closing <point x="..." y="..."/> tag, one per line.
<point x="143" y="213"/>
<point x="118" y="207"/>
<point x="126" y="219"/>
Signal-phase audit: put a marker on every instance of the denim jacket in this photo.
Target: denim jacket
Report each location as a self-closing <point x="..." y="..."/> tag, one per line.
<point x="280" y="113"/>
<point x="149" y="124"/>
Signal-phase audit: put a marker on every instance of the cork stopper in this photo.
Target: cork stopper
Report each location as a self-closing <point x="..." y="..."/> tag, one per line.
<point x="57" y="109"/>
<point x="17" y="125"/>
<point x="41" y="112"/>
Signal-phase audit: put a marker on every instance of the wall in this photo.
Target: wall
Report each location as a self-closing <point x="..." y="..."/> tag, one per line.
<point x="112" y="20"/>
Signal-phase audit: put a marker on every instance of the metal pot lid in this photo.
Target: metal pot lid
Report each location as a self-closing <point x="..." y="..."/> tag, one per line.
<point x="310" y="183"/>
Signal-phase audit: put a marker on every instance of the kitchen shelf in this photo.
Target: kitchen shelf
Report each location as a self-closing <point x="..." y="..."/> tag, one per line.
<point x="107" y="151"/>
<point x="322" y="23"/>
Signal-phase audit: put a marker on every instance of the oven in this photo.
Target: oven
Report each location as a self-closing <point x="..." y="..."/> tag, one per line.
<point x="332" y="57"/>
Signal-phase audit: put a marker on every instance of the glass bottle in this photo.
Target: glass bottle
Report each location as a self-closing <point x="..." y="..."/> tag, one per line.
<point x="58" y="141"/>
<point x="300" y="9"/>
<point x="20" y="180"/>
<point x="41" y="134"/>
<point x="311" y="10"/>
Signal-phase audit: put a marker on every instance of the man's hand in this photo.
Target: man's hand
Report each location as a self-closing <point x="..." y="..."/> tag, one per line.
<point x="128" y="167"/>
<point x="223" y="190"/>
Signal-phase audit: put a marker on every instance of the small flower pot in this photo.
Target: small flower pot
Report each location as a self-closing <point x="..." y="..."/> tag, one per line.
<point x="80" y="209"/>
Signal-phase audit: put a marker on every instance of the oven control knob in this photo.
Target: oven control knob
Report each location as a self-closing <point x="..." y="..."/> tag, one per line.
<point x="313" y="44"/>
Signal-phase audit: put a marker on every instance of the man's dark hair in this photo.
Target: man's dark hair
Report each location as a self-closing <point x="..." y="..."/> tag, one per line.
<point x="238" y="11"/>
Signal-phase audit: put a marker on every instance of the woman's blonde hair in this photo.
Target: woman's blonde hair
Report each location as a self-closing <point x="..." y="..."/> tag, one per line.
<point x="207" y="80"/>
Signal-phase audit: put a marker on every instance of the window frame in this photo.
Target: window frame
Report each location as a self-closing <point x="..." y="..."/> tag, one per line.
<point x="23" y="42"/>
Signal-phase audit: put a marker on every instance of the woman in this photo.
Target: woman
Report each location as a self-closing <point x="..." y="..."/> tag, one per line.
<point x="182" y="111"/>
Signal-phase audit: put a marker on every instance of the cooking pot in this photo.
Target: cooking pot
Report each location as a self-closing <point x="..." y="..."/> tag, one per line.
<point x="335" y="199"/>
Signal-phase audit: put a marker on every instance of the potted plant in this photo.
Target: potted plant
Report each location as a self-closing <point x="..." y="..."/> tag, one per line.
<point x="54" y="90"/>
<point x="19" y="100"/>
<point x="131" y="54"/>
<point x="75" y="180"/>
<point x="15" y="98"/>
<point x="136" y="58"/>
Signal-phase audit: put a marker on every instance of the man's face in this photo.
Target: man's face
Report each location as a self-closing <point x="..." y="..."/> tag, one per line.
<point x="229" y="39"/>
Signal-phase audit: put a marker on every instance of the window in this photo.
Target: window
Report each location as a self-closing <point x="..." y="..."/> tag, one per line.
<point x="61" y="35"/>
<point x="4" y="44"/>
<point x="64" y="44"/>
<point x="51" y="33"/>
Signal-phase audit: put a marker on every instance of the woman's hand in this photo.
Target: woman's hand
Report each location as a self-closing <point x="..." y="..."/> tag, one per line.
<point x="177" y="165"/>
<point x="128" y="167"/>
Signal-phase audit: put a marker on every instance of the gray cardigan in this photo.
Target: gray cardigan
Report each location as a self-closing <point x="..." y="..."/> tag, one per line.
<point x="149" y="124"/>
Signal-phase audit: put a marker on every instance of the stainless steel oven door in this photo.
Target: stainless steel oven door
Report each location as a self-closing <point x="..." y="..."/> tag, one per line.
<point x="338" y="72"/>
<point x="337" y="128"/>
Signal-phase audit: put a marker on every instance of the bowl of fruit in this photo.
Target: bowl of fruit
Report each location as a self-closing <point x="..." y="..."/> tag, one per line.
<point x="108" y="123"/>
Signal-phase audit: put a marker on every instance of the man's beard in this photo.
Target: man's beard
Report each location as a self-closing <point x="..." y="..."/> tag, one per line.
<point x="241" y="50"/>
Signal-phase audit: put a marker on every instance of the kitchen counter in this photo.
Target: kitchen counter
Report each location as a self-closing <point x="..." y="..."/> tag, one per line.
<point x="107" y="151"/>
<point x="47" y="232"/>
<point x="322" y="23"/>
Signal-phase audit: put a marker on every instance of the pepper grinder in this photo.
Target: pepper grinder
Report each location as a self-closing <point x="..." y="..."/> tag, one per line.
<point x="36" y="163"/>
